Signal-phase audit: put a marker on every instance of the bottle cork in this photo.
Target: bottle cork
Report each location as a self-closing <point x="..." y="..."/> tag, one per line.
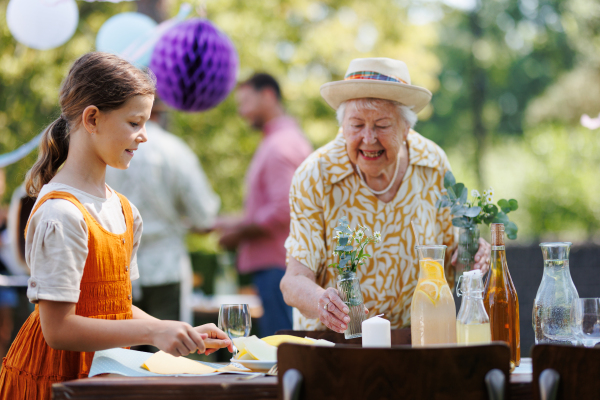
<point x="497" y="234"/>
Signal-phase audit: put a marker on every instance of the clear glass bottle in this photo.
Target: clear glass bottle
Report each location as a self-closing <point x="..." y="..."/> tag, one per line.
<point x="348" y="286"/>
<point x="501" y="300"/>
<point x="472" y="322"/>
<point x="556" y="294"/>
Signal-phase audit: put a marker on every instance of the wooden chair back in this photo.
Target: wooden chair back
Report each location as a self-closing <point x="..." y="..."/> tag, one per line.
<point x="565" y="372"/>
<point x="350" y="372"/>
<point x="399" y="336"/>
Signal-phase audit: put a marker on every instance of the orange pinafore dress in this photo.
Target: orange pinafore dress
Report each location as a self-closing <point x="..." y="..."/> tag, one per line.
<point x="31" y="366"/>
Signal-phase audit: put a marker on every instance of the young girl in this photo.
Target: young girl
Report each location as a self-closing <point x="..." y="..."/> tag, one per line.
<point x="82" y="237"/>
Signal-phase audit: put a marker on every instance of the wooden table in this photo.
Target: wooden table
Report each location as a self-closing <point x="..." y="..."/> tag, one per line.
<point x="219" y="387"/>
<point x="224" y="387"/>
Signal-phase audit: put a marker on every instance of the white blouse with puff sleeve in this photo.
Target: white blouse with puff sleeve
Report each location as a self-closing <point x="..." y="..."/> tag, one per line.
<point x="56" y="245"/>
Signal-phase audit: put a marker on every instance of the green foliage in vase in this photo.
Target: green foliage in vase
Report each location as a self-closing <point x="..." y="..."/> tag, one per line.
<point x="479" y="210"/>
<point x="350" y="258"/>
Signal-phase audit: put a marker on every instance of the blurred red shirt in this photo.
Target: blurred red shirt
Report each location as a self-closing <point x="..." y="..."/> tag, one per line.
<point x="268" y="182"/>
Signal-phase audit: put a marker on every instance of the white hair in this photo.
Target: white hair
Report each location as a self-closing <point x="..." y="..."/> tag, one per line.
<point x="369" y="103"/>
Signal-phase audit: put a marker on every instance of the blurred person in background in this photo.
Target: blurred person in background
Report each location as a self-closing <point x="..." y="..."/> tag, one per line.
<point x="8" y="295"/>
<point x="259" y="235"/>
<point x="167" y="184"/>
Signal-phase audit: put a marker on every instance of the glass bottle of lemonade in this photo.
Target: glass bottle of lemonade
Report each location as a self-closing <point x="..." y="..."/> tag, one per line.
<point x="433" y="313"/>
<point x="501" y="301"/>
<point x="472" y="322"/>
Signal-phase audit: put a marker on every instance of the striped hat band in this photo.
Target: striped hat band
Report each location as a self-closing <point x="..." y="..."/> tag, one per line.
<point x="374" y="76"/>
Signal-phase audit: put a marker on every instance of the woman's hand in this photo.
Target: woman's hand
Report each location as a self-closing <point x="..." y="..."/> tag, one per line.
<point x="482" y="257"/>
<point x="333" y="313"/>
<point x="216" y="339"/>
<point x="177" y="338"/>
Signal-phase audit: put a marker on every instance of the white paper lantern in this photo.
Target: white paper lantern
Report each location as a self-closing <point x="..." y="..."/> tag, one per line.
<point x="42" y="24"/>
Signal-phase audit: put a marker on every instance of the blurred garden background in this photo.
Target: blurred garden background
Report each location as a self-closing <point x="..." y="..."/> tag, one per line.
<point x="510" y="81"/>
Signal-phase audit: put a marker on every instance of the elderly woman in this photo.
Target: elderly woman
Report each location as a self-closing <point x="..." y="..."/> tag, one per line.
<point x="381" y="174"/>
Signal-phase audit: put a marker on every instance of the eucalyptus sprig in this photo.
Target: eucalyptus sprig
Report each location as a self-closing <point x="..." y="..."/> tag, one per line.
<point x="479" y="210"/>
<point x="349" y="258"/>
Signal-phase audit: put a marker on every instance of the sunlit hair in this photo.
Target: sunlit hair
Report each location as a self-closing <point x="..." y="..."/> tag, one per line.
<point x="373" y="104"/>
<point x="99" y="79"/>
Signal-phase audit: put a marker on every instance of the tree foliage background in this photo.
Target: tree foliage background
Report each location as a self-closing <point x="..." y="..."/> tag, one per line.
<point x="510" y="80"/>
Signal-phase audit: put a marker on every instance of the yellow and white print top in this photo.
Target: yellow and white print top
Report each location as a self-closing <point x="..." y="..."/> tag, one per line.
<point x="326" y="187"/>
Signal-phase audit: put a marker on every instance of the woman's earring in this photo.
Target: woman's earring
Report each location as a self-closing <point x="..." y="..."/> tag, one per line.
<point x="404" y="143"/>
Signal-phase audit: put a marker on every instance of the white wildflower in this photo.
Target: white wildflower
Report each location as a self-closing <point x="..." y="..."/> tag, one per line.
<point x="485" y="193"/>
<point x="359" y="234"/>
<point x="491" y="192"/>
<point x="377" y="237"/>
<point x="489" y="199"/>
<point x="474" y="193"/>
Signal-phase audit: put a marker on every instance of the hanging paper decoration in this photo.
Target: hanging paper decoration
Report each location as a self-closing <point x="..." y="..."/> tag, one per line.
<point x="42" y="24"/>
<point x="195" y="66"/>
<point x="123" y="30"/>
<point x="140" y="51"/>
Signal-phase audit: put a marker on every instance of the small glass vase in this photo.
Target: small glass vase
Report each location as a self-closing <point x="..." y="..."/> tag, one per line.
<point x="349" y="290"/>
<point x="468" y="244"/>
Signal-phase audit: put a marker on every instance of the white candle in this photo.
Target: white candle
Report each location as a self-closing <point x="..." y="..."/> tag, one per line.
<point x="376" y="332"/>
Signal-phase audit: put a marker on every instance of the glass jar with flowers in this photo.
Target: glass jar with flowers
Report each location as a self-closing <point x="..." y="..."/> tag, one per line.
<point x="349" y="246"/>
<point x="469" y="213"/>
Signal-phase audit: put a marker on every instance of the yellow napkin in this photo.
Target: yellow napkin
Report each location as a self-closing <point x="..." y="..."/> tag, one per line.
<point x="164" y="363"/>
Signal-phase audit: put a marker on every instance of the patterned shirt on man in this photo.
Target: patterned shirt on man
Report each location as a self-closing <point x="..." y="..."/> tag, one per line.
<point x="326" y="187"/>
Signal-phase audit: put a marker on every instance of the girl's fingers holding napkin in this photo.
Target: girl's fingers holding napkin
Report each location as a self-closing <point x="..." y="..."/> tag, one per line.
<point x="197" y="340"/>
<point x="217" y="339"/>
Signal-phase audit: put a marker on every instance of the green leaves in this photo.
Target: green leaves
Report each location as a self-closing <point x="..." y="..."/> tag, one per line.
<point x="351" y="258"/>
<point x="511" y="230"/>
<point x="449" y="180"/>
<point x="501" y="218"/>
<point x="473" y="212"/>
<point x="461" y="222"/>
<point x="468" y="213"/>
<point x="508" y="205"/>
<point x="504" y="205"/>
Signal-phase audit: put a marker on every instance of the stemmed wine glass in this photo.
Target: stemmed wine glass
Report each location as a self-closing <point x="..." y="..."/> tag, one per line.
<point x="585" y="321"/>
<point x="235" y="321"/>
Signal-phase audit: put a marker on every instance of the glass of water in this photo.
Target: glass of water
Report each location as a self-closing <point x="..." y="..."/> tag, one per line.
<point x="585" y="321"/>
<point x="235" y="321"/>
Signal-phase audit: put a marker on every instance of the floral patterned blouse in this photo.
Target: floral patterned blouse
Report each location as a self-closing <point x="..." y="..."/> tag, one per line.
<point x="326" y="187"/>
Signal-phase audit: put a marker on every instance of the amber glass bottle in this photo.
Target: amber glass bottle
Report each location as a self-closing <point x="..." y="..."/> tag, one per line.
<point x="501" y="301"/>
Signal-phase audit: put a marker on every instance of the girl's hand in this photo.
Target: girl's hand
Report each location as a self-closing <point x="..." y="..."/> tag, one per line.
<point x="177" y="338"/>
<point x="217" y="339"/>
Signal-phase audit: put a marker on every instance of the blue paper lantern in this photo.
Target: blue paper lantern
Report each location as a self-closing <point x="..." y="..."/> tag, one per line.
<point x="124" y="34"/>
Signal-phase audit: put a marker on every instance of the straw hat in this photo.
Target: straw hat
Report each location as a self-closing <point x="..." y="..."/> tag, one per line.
<point x="380" y="78"/>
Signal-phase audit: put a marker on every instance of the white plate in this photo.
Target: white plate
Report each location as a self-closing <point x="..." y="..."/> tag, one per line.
<point x="256" y="365"/>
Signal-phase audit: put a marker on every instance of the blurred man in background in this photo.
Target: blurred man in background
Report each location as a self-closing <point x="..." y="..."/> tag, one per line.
<point x="168" y="186"/>
<point x="260" y="234"/>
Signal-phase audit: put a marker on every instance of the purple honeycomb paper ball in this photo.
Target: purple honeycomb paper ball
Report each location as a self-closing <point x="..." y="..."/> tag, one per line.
<point x="195" y="66"/>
